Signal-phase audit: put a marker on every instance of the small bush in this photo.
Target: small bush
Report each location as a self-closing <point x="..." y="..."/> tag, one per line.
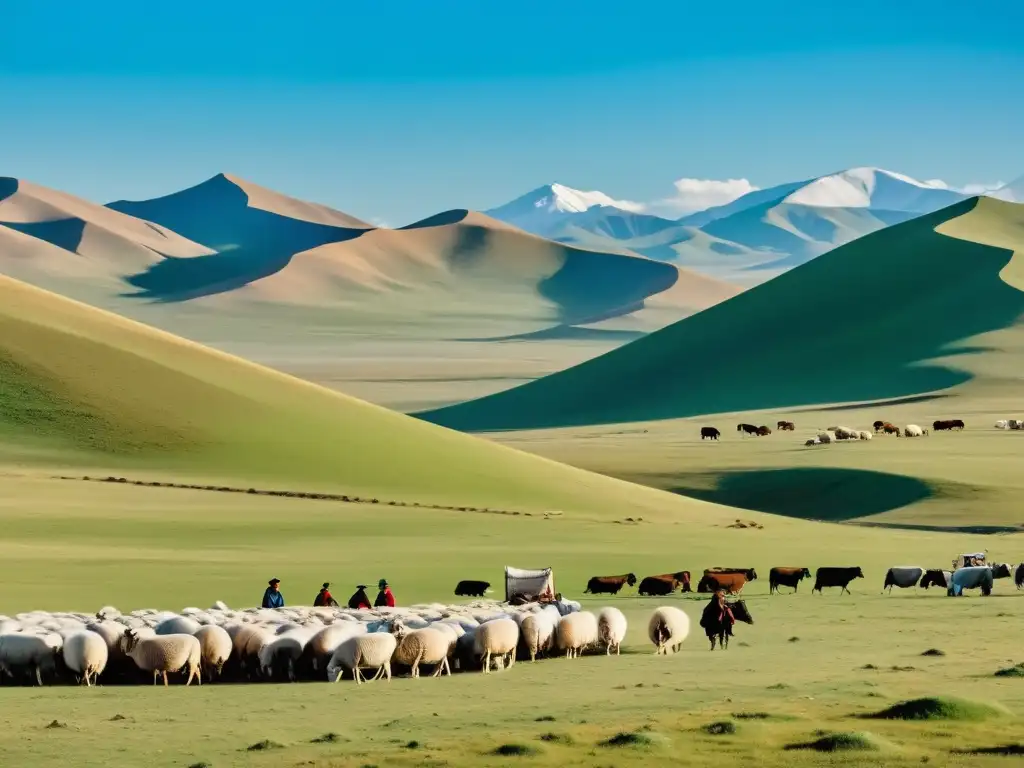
<point x="932" y="708"/>
<point x="514" y="750"/>
<point x="412" y="744"/>
<point x="751" y="715"/>
<point x="259" y="746"/>
<point x="116" y="718"/>
<point x="1003" y="749"/>
<point x="1017" y="671"/>
<point x="933" y="652"/>
<point x="628" y="739"/>
<point x="840" y="742"/>
<point x="778" y="687"/>
<point x="544" y="719"/>
<point x="57" y="724"/>
<point x="327" y="738"/>
<point x="721" y="728"/>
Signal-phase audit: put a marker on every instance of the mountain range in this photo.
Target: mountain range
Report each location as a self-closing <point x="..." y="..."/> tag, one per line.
<point x="749" y="240"/>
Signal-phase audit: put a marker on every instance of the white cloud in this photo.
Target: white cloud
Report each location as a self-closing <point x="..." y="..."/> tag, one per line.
<point x="692" y="195"/>
<point x="973" y="188"/>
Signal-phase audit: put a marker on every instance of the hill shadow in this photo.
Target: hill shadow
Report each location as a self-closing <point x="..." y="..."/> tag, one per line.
<point x="809" y="493"/>
<point x="567" y="333"/>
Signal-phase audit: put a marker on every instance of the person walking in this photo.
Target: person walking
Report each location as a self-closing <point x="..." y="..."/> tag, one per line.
<point x="384" y="597"/>
<point x="324" y="597"/>
<point x="273" y="598"/>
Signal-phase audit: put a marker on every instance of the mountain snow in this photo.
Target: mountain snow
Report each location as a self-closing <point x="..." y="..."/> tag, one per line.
<point x="563" y="199"/>
<point x="873" y="188"/>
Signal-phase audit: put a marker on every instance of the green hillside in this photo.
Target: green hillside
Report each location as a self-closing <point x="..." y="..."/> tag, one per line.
<point x="82" y="387"/>
<point x="896" y="313"/>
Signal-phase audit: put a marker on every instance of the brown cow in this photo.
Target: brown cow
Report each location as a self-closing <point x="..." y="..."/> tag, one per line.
<point x="762" y="431"/>
<point x="609" y="585"/>
<point x="890" y="429"/>
<point x="785" y="426"/>
<point x="664" y="583"/>
<point x="730" y="580"/>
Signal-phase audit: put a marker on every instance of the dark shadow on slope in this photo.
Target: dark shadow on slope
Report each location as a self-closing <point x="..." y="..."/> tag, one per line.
<point x="915" y="295"/>
<point x="809" y="493"/>
<point x="439" y="219"/>
<point x="567" y="333"/>
<point x="63" y="233"/>
<point x="878" y="404"/>
<point x="250" y="243"/>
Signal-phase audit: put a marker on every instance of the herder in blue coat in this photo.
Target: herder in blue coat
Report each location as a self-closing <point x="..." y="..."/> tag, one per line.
<point x="273" y="598"/>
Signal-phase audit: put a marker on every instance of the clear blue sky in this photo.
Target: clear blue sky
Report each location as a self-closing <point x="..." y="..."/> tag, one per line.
<point x="397" y="110"/>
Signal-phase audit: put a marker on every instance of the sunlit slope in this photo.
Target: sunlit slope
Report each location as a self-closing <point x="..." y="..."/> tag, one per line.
<point x="79" y="386"/>
<point x="895" y="313"/>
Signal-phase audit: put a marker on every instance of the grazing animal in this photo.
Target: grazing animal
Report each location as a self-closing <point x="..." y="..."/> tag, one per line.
<point x="1001" y="570"/>
<point x="786" y="577"/>
<point x="34" y="654"/>
<point x="609" y="585"/>
<point x="85" y="653"/>
<point x="1018" y="577"/>
<point x="845" y="433"/>
<point x="762" y="431"/>
<point x="421" y="646"/>
<point x="890" y="429"/>
<point x="611" y="629"/>
<point x="828" y="576"/>
<point x="719" y="629"/>
<point x="785" y="426"/>
<point x="913" y="430"/>
<point x="709" y="432"/>
<point x="947" y="424"/>
<point x="667" y="629"/>
<point x="471" y="588"/>
<point x="164" y="653"/>
<point x="1001" y="424"/>
<point x="812" y="441"/>
<point x="215" y="643"/>
<point x="826" y="437"/>
<point x="372" y="650"/>
<point x="904" y="577"/>
<point x="972" y="577"/>
<point x="863" y="434"/>
<point x="576" y="632"/>
<point x="935" y="577"/>
<point x="497" y="638"/>
<point x="731" y="580"/>
<point x="747" y="429"/>
<point x="877" y="426"/>
<point x="537" y="633"/>
<point x="663" y="584"/>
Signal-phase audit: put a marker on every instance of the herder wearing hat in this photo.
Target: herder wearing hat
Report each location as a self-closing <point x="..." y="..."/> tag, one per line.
<point x="384" y="597"/>
<point x="323" y="597"/>
<point x="273" y="598"/>
<point x="359" y="599"/>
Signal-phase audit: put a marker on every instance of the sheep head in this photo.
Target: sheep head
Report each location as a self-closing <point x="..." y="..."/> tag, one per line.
<point x="129" y="640"/>
<point x="398" y="629"/>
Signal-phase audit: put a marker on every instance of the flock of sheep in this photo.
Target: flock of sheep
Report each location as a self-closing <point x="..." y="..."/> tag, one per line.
<point x="299" y="643"/>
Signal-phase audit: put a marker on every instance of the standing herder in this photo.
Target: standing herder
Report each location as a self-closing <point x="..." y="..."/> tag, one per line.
<point x="273" y="598"/>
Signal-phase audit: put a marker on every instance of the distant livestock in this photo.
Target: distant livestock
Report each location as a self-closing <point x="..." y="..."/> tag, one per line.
<point x="877" y="426"/>
<point x="710" y="433"/>
<point x="890" y="429"/>
<point x="972" y="577"/>
<point x="947" y="424"/>
<point x="730" y="580"/>
<point x="935" y="577"/>
<point x="912" y="430"/>
<point x="844" y="433"/>
<point x="786" y="577"/>
<point x="903" y="577"/>
<point x="826" y="437"/>
<point x="665" y="583"/>
<point x="609" y="585"/>
<point x="1018" y="577"/>
<point x="785" y="426"/>
<point x="667" y="629"/>
<point x="746" y="429"/>
<point x="1010" y="424"/>
<point x="836" y="577"/>
<point x="470" y="588"/>
<point x="1001" y="570"/>
<point x="762" y="431"/>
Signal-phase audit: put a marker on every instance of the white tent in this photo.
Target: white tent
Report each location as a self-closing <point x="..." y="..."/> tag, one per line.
<point x="532" y="582"/>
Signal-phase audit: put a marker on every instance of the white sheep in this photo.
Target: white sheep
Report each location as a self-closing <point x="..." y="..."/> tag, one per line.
<point x="496" y="638"/>
<point x="323" y="644"/>
<point x="216" y="646"/>
<point x="912" y="430"/>
<point x="164" y="653"/>
<point x="576" y="632"/>
<point x="1003" y="424"/>
<point x="29" y="652"/>
<point x="537" y="632"/>
<point x="667" y="629"/>
<point x="370" y="651"/>
<point x="85" y="654"/>
<point x="422" y="646"/>
<point x="177" y="625"/>
<point x="826" y="437"/>
<point x="844" y="433"/>
<point x="611" y="629"/>
<point x="864" y="434"/>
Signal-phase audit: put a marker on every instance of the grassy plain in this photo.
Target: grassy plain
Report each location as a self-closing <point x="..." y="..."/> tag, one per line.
<point x="78" y="545"/>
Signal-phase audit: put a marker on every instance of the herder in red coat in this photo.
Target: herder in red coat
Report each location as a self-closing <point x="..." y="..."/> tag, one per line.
<point x="359" y="598"/>
<point x="384" y="597"/>
<point x="324" y="597"/>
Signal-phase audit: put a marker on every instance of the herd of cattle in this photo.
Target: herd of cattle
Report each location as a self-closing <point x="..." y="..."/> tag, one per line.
<point x="838" y="433"/>
<point x="732" y="580"/>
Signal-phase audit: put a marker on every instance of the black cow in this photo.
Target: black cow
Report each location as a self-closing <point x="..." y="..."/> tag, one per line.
<point x="786" y="577"/>
<point x="934" y="577"/>
<point x="470" y="588"/>
<point x="709" y="432"/>
<point x="836" y="577"/>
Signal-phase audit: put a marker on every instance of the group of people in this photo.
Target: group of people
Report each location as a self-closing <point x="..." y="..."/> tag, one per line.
<point x="272" y="597"/>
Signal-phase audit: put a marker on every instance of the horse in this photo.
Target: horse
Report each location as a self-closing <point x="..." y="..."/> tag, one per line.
<point x="720" y="631"/>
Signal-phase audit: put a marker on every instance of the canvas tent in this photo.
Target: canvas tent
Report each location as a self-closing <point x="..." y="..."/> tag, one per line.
<point x="532" y="582"/>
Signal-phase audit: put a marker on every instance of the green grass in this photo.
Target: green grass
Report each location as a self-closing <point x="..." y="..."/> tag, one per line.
<point x="902" y="311"/>
<point x="932" y="708"/>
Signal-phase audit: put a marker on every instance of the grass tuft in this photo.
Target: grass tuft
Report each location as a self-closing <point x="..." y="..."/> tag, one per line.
<point x="840" y="742"/>
<point x="261" y="746"/>
<point x="630" y="739"/>
<point x="933" y="652"/>
<point x="57" y="724"/>
<point x="721" y="728"/>
<point x="1015" y="671"/>
<point x="1002" y="749"/>
<point x="557" y="738"/>
<point x="514" y="750"/>
<point x="327" y="738"/>
<point x="938" y="708"/>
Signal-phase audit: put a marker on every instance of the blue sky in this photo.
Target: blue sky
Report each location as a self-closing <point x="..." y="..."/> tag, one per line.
<point x="393" y="111"/>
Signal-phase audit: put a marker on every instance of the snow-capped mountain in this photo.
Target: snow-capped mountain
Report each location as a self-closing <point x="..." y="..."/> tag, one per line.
<point x="874" y="188"/>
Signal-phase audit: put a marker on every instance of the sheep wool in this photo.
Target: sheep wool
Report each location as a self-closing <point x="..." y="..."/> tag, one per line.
<point x="576" y="632"/>
<point x="35" y="654"/>
<point x="164" y="653"/>
<point x="422" y="646"/>
<point x="370" y="651"/>
<point x="215" y="644"/>
<point x="537" y="632"/>
<point x="496" y="638"/>
<point x="611" y="629"/>
<point x="85" y="654"/>
<point x="667" y="629"/>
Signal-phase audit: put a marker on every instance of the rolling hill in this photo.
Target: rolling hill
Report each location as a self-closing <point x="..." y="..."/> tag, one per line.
<point x="83" y="387"/>
<point x="916" y="308"/>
